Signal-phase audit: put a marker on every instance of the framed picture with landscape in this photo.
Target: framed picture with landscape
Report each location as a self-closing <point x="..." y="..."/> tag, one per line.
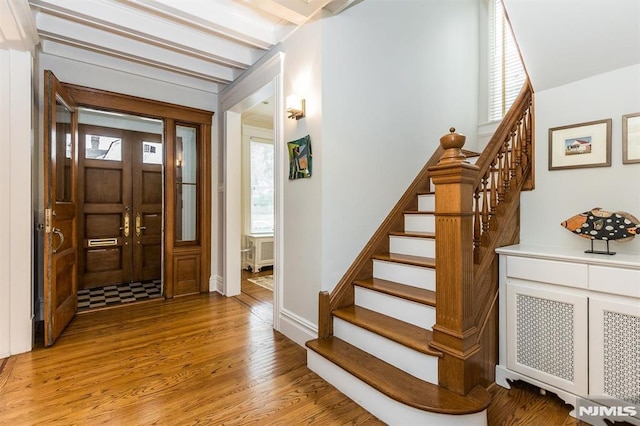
<point x="631" y="138"/>
<point x="580" y="145"/>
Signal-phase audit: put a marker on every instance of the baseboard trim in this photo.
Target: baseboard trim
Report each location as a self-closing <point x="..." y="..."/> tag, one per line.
<point x="297" y="328"/>
<point x="216" y="283"/>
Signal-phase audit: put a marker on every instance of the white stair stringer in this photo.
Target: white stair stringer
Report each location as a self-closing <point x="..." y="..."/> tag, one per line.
<point x="415" y="276"/>
<point x="426" y="202"/>
<point x="418" y="364"/>
<point x="386" y="409"/>
<point x="413" y="246"/>
<point x="419" y="222"/>
<point x="395" y="307"/>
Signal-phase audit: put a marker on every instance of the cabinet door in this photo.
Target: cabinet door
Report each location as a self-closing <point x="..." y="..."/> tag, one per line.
<point x="547" y="335"/>
<point x="614" y="349"/>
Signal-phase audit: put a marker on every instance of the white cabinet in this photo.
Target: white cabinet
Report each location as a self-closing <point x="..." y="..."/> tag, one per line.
<point x="258" y="251"/>
<point x="570" y="324"/>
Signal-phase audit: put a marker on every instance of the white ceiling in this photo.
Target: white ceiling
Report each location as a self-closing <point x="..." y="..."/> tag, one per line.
<point x="569" y="40"/>
<point x="205" y="44"/>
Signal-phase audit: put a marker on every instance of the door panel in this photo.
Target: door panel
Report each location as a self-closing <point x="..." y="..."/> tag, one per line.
<point x="147" y="203"/>
<point x="122" y="185"/>
<point x="60" y="166"/>
<point x="105" y="166"/>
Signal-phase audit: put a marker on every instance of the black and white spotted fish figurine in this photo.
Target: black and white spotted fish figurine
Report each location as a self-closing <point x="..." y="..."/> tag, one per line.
<point x="598" y="224"/>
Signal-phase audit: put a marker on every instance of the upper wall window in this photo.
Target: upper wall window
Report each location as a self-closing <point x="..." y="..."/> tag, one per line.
<point x="506" y="73"/>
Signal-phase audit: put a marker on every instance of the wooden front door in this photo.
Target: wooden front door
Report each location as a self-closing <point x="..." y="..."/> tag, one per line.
<point x="121" y="206"/>
<point x="60" y="166"/>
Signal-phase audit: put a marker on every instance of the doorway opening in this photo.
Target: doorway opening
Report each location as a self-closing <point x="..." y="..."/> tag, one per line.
<point x="122" y="205"/>
<point x="120" y="208"/>
<point x="258" y="203"/>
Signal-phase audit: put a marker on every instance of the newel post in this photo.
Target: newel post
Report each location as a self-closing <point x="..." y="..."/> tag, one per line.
<point x="454" y="333"/>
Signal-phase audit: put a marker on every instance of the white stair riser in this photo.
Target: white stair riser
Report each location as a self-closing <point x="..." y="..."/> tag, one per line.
<point x="419" y="223"/>
<point x="426" y="202"/>
<point x="422" y="366"/>
<point x="415" y="276"/>
<point x="386" y="409"/>
<point x="405" y="310"/>
<point x="425" y="247"/>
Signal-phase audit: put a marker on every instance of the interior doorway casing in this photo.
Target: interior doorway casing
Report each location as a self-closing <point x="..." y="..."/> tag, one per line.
<point x="186" y="263"/>
<point x="264" y="82"/>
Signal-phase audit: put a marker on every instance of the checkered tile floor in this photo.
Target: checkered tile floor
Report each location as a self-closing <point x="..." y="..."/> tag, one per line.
<point x="112" y="295"/>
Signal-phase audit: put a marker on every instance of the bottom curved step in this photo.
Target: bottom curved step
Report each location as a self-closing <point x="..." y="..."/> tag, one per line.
<point x="390" y="394"/>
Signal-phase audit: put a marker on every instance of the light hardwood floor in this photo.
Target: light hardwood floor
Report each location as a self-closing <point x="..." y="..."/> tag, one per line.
<point x="205" y="360"/>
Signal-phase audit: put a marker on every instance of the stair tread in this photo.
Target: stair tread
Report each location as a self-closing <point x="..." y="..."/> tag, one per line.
<point x="415" y="294"/>
<point x="397" y="384"/>
<point x="425" y="193"/>
<point x="409" y="335"/>
<point x="419" y="212"/>
<point x="407" y="259"/>
<point x="413" y="234"/>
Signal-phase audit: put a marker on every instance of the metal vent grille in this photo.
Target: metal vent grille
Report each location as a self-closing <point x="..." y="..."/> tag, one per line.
<point x="622" y="356"/>
<point x="544" y="331"/>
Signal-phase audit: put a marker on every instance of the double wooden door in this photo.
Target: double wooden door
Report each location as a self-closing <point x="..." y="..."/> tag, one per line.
<point x="120" y="206"/>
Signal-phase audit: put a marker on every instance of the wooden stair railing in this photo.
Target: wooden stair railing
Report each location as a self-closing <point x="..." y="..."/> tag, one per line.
<point x="477" y="210"/>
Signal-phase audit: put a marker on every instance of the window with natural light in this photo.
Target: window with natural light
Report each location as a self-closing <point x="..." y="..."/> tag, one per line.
<point x="506" y="73"/>
<point x="262" y="168"/>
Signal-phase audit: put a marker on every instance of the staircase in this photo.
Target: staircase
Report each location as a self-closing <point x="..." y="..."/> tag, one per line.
<point x="387" y="339"/>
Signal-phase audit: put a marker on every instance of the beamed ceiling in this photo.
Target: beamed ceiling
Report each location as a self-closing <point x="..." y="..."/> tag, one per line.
<point x="205" y="44"/>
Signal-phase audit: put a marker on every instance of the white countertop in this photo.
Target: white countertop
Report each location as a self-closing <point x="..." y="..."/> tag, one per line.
<point x="624" y="260"/>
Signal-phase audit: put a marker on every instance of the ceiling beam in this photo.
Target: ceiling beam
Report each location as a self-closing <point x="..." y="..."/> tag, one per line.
<point x="227" y="21"/>
<point x="296" y="11"/>
<point x="73" y="33"/>
<point x="80" y="54"/>
<point x="130" y="23"/>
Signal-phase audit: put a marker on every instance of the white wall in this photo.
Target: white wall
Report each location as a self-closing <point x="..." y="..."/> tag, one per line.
<point x="383" y="81"/>
<point x="303" y="198"/>
<point x="560" y="194"/>
<point x="397" y="75"/>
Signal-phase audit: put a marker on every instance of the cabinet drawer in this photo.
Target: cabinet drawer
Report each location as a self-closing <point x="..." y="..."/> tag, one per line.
<point x="625" y="282"/>
<point x="548" y="271"/>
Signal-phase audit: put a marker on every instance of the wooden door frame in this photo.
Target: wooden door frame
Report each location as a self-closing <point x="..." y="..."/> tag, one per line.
<point x="171" y="114"/>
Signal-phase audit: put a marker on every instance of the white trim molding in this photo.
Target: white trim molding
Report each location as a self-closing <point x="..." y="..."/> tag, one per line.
<point x="18" y="30"/>
<point x="296" y="328"/>
<point x="16" y="227"/>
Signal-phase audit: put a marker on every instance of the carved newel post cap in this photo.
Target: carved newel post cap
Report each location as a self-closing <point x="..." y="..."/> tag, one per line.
<point x="452" y="144"/>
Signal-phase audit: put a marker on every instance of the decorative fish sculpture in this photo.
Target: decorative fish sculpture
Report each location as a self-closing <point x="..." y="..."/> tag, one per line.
<point x="598" y="224"/>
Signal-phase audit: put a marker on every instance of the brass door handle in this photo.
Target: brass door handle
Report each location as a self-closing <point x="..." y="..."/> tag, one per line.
<point x="126" y="227"/>
<point x="139" y="227"/>
<point x="59" y="233"/>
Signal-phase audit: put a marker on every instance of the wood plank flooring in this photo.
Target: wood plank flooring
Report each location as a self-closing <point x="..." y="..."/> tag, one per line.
<point x="205" y="360"/>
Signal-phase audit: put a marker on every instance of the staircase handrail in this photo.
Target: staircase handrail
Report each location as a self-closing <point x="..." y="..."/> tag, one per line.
<point x="343" y="293"/>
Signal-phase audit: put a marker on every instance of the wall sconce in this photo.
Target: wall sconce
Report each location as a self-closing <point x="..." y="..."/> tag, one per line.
<point x="295" y="107"/>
